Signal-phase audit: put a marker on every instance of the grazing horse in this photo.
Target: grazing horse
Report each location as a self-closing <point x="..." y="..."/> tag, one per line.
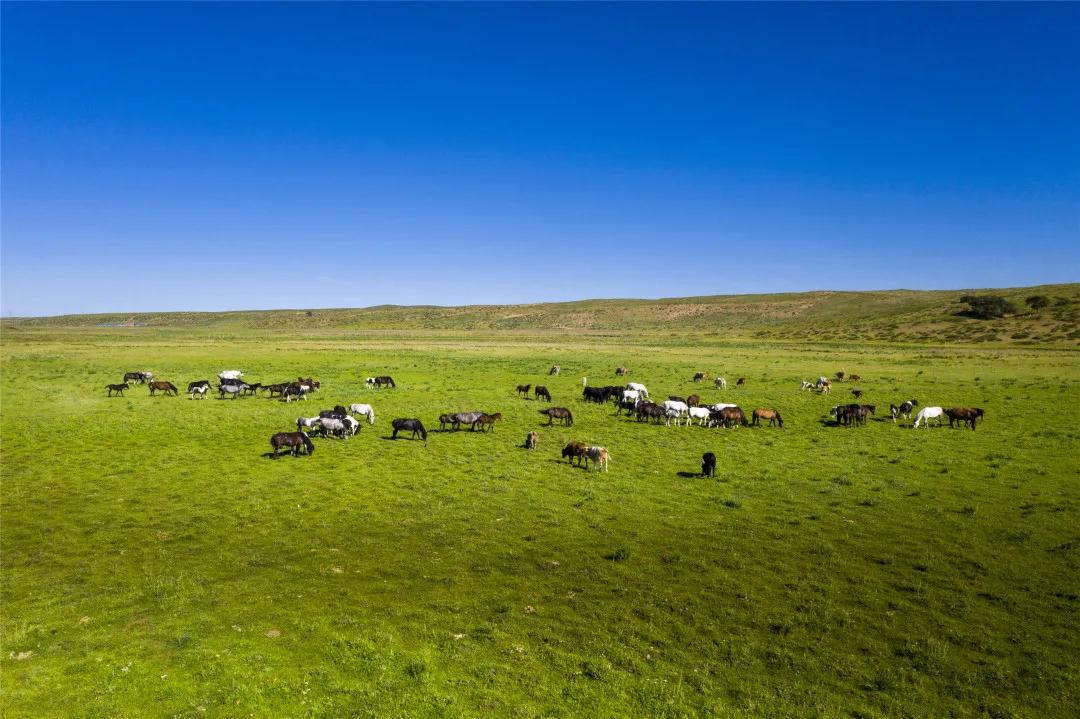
<point x="850" y="415"/>
<point x="486" y="421"/>
<point x="555" y="369"/>
<point x="338" y="427"/>
<point x="445" y="420"/>
<point x="857" y="393"/>
<point x="632" y="395"/>
<point x="964" y="415"/>
<point x="309" y="423"/>
<point x="134" y="377"/>
<point x="293" y="441"/>
<point x="523" y="389"/>
<point x="649" y="411"/>
<point x="904" y="409"/>
<point x="840" y="375"/>
<point x="464" y="418"/>
<point x="637" y="386"/>
<point x="198" y="383"/>
<point x="620" y="371"/>
<point x="740" y="382"/>
<point x="199" y="391"/>
<point x="721" y="405"/>
<point x="409" y="425"/>
<point x="594" y="394"/>
<point x="928" y="413"/>
<point x="275" y="389"/>
<point x="708" y="465"/>
<point x="698" y="376"/>
<point x="363" y="410"/>
<point x="118" y="388"/>
<point x="338" y="412"/>
<point x="532" y="439"/>
<point x="614" y="392"/>
<point x="693" y="400"/>
<point x="675" y="409"/>
<point x="575" y="451"/>
<point x="806" y="386"/>
<point x="542" y="391"/>
<point x="825" y="387"/>
<point x="699" y="413"/>
<point x="554" y="413"/>
<point x="770" y="414"/>
<point x="162" y="386"/>
<point x="384" y="380"/>
<point x="370" y="382"/>
<point x="854" y="377"/>
<point x="599" y="457"/>
<point x="731" y="416"/>
<point x="251" y="389"/>
<point x="720" y="383"/>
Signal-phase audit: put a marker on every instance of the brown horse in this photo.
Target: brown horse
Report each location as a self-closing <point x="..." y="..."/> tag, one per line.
<point x="384" y="380"/>
<point x="554" y="413"/>
<point x="445" y="420"/>
<point x="620" y="371"/>
<point x="166" y="387"/>
<point x="532" y="439"/>
<point x="523" y="389"/>
<point x="118" y="388"/>
<point x="575" y="452"/>
<point x="309" y="382"/>
<point x="698" y="376"/>
<point x="693" y="400"/>
<point x="731" y="415"/>
<point x="542" y="391"/>
<point x="770" y="414"/>
<point x="486" y="421"/>
<point x="964" y="415"/>
<point x="854" y="377"/>
<point x="293" y="441"/>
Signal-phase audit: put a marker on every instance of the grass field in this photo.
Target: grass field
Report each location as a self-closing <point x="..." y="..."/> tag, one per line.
<point x="155" y="563"/>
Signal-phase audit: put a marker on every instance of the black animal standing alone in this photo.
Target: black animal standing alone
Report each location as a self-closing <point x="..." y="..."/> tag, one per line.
<point x="708" y="465"/>
<point x="409" y="425"/>
<point x="542" y="391"/>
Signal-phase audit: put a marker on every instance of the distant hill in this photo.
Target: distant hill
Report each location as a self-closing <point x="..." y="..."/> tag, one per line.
<point x="886" y="315"/>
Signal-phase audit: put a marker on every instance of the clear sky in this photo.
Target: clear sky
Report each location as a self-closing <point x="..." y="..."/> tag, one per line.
<point x="225" y="156"/>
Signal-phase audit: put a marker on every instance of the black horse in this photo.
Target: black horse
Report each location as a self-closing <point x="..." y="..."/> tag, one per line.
<point x="338" y="412"/>
<point x="409" y="425"/>
<point x="595" y="394"/>
<point x="197" y="383"/>
<point x="385" y="379"/>
<point x="554" y="413"/>
<point x="118" y="388"/>
<point x="708" y="465"/>
<point x="293" y="441"/>
<point x="542" y="391"/>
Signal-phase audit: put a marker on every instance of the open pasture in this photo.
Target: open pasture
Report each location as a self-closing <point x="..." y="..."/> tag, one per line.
<point x="156" y="562"/>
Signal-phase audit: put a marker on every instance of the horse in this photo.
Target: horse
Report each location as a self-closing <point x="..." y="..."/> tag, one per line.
<point x="252" y="389"/>
<point x="904" y="409"/>
<point x="363" y="410"/>
<point x="311" y="384"/>
<point x="708" y="465"/>
<point x="198" y="383"/>
<point x="575" y="451"/>
<point x="825" y="388"/>
<point x="118" y="388"/>
<point x="523" y="389"/>
<point x="740" y="382"/>
<point x="699" y="413"/>
<point x="628" y="404"/>
<point x="542" y="391"/>
<point x="595" y="394"/>
<point x="532" y="439"/>
<point x="693" y="400"/>
<point x="338" y="412"/>
<point x="310" y="423"/>
<point x="464" y="418"/>
<point x="964" y="415"/>
<point x="338" y="427"/>
<point x="632" y="395"/>
<point x="409" y="425"/>
<point x="485" y="421"/>
<point x="554" y="413"/>
<point x="928" y="413"/>
<point x="370" y="382"/>
<point x="614" y="392"/>
<point x="721" y="405"/>
<point x="620" y="371"/>
<point x="676" y="398"/>
<point x="200" y="391"/>
<point x="231" y="381"/>
<point x="295" y="392"/>
<point x="230" y="389"/>
<point x="134" y="377"/>
<point x="840" y="375"/>
<point x="731" y="415"/>
<point x="806" y="386"/>
<point x="599" y="456"/>
<point x="639" y="387"/>
<point x="698" y="376"/>
<point x="555" y="369"/>
<point x="857" y="393"/>
<point x="230" y="374"/>
<point x="770" y="414"/>
<point x="720" y="383"/>
<point x="648" y="411"/>
<point x="822" y="380"/>
<point x="384" y="380"/>
<point x="273" y="389"/>
<point x="850" y="414"/>
<point x="166" y="387"/>
<point x="293" y="440"/>
<point x="673" y="414"/>
<point x="854" y="377"/>
<point x="677" y="406"/>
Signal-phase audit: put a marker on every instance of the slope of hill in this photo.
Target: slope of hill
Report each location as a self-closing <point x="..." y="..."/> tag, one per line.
<point x="887" y="315"/>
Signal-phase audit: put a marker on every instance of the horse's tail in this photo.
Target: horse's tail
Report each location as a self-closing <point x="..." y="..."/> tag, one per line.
<point x="308" y="443"/>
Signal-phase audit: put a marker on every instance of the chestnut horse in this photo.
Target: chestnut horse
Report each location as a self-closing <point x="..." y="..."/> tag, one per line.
<point x="770" y="414"/>
<point x="964" y="415"/>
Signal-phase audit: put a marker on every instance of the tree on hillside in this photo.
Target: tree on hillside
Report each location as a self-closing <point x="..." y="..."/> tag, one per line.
<point x="987" y="307"/>
<point x="1037" y="302"/>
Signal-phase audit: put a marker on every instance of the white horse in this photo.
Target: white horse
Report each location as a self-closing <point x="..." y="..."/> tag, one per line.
<point x="631" y="394"/>
<point x="928" y="413"/>
<point x="230" y="374"/>
<point x="370" y="382"/>
<point x="822" y="381"/>
<point x="722" y="405"/>
<point x="364" y="410"/>
<point x="202" y="390"/>
<point x="599" y="457"/>
<point x="673" y="414"/>
<point x="720" y="383"/>
<point x="303" y="423"/>
<point x="699" y="413"/>
<point x="675" y="410"/>
<point x="351" y="425"/>
<point x="297" y="393"/>
<point x="336" y="427"/>
<point x="639" y="387"/>
<point x="807" y="386"/>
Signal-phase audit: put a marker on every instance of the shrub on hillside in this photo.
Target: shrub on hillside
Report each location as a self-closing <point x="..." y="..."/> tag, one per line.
<point x="987" y="307"/>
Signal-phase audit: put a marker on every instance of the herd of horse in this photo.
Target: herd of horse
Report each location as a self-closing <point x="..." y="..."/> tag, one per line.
<point x="631" y="398"/>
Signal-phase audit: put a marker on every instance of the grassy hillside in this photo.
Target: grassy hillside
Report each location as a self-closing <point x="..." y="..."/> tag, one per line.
<point x="890" y="315"/>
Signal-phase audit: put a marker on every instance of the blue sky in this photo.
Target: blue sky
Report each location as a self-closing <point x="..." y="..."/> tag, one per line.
<point x="228" y="156"/>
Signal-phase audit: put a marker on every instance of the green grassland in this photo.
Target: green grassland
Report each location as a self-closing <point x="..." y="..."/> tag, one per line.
<point x="156" y="563"/>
